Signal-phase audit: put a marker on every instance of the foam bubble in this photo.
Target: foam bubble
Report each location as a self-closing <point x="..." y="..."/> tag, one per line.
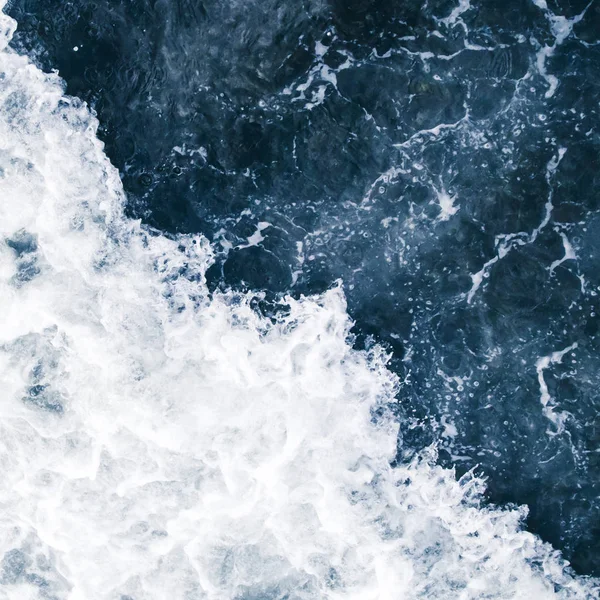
<point x="157" y="442"/>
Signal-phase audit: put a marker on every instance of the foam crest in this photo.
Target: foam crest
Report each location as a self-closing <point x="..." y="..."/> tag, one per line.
<point x="157" y="442"/>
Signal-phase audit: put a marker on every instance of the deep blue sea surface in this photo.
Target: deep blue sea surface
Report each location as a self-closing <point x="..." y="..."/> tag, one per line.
<point x="437" y="161"/>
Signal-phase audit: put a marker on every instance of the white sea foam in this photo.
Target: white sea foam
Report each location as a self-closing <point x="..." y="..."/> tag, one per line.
<point x="156" y="443"/>
<point x="561" y="28"/>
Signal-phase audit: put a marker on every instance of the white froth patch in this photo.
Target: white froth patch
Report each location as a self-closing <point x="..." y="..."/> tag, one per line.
<point x="462" y="7"/>
<point x="568" y="255"/>
<point x="446" y="203"/>
<point x="158" y="443"/>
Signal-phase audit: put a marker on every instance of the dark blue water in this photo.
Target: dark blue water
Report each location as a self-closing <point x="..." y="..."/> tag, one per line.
<point x="441" y="158"/>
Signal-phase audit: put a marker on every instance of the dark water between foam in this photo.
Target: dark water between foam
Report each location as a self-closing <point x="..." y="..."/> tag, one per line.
<point x="442" y="159"/>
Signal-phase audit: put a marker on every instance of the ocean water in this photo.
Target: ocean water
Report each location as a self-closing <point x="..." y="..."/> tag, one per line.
<point x="298" y="301"/>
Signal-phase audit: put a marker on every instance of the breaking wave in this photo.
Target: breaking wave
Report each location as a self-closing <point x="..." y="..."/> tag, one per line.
<point x="158" y="441"/>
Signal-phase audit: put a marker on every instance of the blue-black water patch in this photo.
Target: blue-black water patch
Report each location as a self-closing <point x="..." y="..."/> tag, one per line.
<point x="25" y="247"/>
<point x="40" y="360"/>
<point x="417" y="152"/>
<point x="17" y="567"/>
<point x="14" y="566"/>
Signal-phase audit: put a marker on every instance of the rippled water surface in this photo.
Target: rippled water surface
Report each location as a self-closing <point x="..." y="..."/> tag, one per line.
<point x="436" y="162"/>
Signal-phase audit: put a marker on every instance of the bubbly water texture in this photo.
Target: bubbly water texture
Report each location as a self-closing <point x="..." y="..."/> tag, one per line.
<point x="159" y="442"/>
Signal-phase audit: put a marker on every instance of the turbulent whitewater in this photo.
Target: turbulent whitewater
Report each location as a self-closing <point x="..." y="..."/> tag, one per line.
<point x="157" y="441"/>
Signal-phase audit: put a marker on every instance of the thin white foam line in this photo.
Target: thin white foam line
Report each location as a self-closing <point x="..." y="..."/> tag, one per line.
<point x="506" y="243"/>
<point x="541" y="365"/>
<point x="561" y="30"/>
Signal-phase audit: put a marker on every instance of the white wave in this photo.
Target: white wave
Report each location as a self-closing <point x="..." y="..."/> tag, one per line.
<point x="156" y="443"/>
